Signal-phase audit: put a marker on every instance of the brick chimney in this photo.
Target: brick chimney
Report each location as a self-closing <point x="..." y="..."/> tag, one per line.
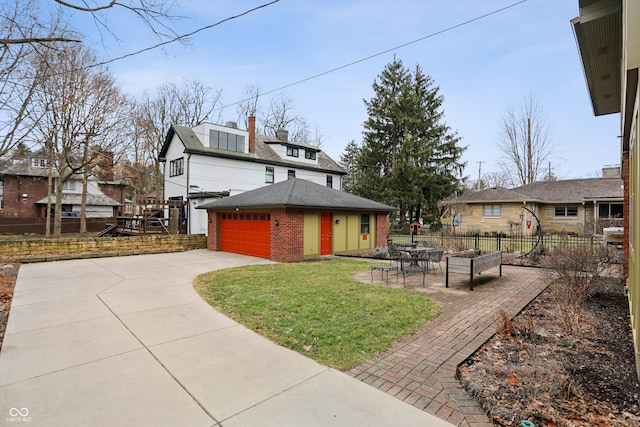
<point x="282" y="135"/>
<point x="252" y="133"/>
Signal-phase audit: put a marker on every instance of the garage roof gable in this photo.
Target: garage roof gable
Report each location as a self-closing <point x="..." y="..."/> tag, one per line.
<point x="299" y="193"/>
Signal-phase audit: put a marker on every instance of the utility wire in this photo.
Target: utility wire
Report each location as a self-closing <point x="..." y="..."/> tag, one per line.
<point x="181" y="37"/>
<point x="341" y="67"/>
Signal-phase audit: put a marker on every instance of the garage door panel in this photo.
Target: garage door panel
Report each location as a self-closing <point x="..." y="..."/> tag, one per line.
<point x="246" y="233"/>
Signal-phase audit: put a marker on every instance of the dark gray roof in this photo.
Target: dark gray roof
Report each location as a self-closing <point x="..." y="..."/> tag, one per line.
<point x="495" y="194"/>
<point x="575" y="190"/>
<point x="297" y="193"/>
<point x="562" y="191"/>
<point x="19" y="164"/>
<point x="263" y="154"/>
<point x="76" y="199"/>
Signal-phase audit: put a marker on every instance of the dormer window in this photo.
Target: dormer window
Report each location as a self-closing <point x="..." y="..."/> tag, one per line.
<point x="226" y="141"/>
<point x="69" y="185"/>
<point x="39" y="163"/>
<point x="308" y="154"/>
<point x="292" y="152"/>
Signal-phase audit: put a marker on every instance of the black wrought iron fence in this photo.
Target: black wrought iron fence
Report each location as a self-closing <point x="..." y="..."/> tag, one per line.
<point x="498" y="242"/>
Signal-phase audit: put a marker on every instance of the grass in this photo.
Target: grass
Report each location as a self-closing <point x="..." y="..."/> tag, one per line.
<point x="316" y="309"/>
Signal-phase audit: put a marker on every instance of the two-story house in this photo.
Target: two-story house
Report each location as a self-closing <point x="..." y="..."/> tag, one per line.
<point x="24" y="183"/>
<point x="210" y="161"/>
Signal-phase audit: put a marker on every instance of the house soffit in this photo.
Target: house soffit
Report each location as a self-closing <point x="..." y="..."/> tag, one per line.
<point x="598" y="33"/>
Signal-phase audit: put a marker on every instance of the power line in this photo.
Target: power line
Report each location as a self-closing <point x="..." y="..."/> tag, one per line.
<point x="341" y="67"/>
<point x="183" y="36"/>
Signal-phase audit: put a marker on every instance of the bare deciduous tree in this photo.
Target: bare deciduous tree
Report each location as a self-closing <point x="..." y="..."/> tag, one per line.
<point x="18" y="78"/>
<point x="249" y="106"/>
<point x="77" y="115"/>
<point x="156" y="15"/>
<point x="497" y="179"/>
<point x="189" y="105"/>
<point x="525" y="142"/>
<point x="280" y="115"/>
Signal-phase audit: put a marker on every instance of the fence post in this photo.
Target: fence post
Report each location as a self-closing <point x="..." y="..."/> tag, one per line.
<point x="477" y="242"/>
<point x="498" y="242"/>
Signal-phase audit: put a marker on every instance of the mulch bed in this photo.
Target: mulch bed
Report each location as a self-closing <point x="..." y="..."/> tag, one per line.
<point x="8" y="275"/>
<point x="537" y="372"/>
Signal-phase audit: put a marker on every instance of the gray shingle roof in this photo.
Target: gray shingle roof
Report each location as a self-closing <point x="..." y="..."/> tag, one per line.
<point x="575" y="190"/>
<point x="495" y="194"/>
<point x="295" y="193"/>
<point x="263" y="154"/>
<point x="76" y="199"/>
<point x="563" y="191"/>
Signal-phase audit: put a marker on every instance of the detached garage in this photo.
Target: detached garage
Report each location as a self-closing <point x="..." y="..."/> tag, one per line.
<point x="246" y="233"/>
<point x="296" y="220"/>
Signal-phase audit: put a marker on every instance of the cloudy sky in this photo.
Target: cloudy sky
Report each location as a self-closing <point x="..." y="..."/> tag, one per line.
<point x="482" y="65"/>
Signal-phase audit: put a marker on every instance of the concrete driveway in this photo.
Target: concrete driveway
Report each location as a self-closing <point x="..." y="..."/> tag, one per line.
<point x="128" y="341"/>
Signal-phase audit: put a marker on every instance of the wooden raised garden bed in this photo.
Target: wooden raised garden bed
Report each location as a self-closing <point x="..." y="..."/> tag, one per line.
<point x="472" y="263"/>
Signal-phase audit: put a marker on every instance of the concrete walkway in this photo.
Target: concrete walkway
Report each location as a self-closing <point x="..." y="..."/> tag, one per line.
<point x="127" y="341"/>
<point x="420" y="370"/>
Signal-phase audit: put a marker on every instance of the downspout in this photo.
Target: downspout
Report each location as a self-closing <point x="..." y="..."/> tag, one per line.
<point x="188" y="210"/>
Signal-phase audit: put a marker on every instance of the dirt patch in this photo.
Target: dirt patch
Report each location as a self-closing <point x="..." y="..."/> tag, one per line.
<point x="8" y="275"/>
<point x="536" y="372"/>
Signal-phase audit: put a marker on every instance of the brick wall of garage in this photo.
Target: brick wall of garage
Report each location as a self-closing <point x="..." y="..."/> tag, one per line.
<point x="212" y="231"/>
<point x="382" y="229"/>
<point x="287" y="238"/>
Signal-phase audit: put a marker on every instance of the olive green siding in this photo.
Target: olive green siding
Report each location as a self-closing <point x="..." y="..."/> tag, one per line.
<point x="311" y="235"/>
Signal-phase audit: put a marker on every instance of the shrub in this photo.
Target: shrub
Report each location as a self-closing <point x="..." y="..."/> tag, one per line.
<point x="571" y="270"/>
<point x="524" y="328"/>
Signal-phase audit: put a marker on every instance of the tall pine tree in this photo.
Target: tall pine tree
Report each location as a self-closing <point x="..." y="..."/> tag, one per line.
<point x="409" y="157"/>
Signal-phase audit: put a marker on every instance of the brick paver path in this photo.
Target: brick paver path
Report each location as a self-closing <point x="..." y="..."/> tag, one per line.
<point x="420" y="369"/>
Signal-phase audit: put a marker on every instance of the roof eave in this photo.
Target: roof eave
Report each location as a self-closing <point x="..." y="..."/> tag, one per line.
<point x="598" y="35"/>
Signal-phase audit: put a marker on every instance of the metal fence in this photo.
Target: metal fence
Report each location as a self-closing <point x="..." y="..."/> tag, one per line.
<point x="518" y="243"/>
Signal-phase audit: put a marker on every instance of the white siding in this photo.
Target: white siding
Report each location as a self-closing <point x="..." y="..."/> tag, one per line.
<point x="218" y="174"/>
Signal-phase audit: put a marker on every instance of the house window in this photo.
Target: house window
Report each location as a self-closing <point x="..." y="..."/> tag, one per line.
<point x="566" y="211"/>
<point x="226" y="141"/>
<point x="291" y="174"/>
<point x="269" y="174"/>
<point x="364" y="224"/>
<point x="610" y="210"/>
<point x="491" y="210"/>
<point x="69" y="185"/>
<point x="292" y="152"/>
<point x="329" y="181"/>
<point x="176" y="167"/>
<point x="308" y="154"/>
<point x="40" y="163"/>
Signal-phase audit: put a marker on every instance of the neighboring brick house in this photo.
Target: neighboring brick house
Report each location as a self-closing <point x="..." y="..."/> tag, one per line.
<point x="295" y="220"/>
<point x="210" y="161"/>
<point x="23" y="189"/>
<point x="567" y="206"/>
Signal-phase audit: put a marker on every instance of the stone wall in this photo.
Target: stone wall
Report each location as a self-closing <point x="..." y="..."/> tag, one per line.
<point x="37" y="250"/>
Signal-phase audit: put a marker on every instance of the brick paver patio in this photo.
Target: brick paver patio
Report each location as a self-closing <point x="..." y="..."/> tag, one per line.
<point x="420" y="369"/>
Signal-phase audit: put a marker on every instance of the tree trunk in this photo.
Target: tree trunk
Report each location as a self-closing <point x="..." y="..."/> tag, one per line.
<point x="57" y="219"/>
<point x="85" y="176"/>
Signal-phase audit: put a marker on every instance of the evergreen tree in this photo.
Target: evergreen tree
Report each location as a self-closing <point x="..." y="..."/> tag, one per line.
<point x="349" y="162"/>
<point x="409" y="158"/>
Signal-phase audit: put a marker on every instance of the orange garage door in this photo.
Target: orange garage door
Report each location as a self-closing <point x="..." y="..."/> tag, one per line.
<point x="247" y="233"/>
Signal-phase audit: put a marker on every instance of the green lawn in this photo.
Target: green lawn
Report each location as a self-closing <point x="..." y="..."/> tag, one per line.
<point x="316" y="309"/>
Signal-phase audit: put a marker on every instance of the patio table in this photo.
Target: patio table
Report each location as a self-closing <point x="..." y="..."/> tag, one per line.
<point x="415" y="253"/>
